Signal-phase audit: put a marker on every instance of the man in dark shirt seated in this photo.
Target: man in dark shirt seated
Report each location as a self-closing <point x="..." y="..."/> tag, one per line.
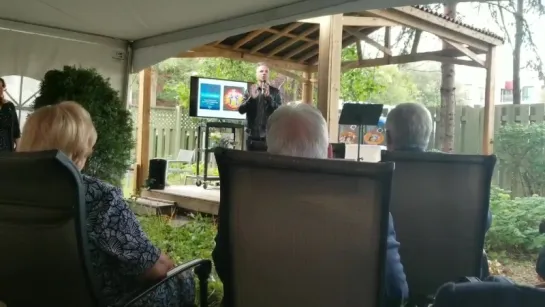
<point x="408" y="128"/>
<point x="301" y="131"/>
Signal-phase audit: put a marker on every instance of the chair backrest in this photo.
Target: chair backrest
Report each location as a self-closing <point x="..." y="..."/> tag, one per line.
<point x="43" y="235"/>
<point x="185" y="155"/>
<point x="439" y="204"/>
<point x="303" y="232"/>
<point x="495" y="294"/>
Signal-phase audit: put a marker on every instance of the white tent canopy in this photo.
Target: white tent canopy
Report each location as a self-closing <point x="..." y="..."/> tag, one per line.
<point x="123" y="36"/>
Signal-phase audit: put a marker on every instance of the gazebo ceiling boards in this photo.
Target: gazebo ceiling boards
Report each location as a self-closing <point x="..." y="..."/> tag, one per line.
<point x="295" y="46"/>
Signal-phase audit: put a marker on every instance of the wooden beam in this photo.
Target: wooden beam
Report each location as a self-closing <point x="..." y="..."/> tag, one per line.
<point x="315" y="20"/>
<point x="224" y="52"/>
<point x="347" y="41"/>
<point x="489" y="101"/>
<point x="273" y="38"/>
<point x="329" y="72"/>
<point x="291" y="35"/>
<point x="294" y="40"/>
<point x="247" y="38"/>
<point x="286" y="73"/>
<point x="368" y="40"/>
<point x="143" y="130"/>
<point x="443" y="23"/>
<point x="416" y="41"/>
<point x="470" y="54"/>
<point x="357" y="21"/>
<point x="440" y="30"/>
<point x="298" y="50"/>
<point x="435" y="56"/>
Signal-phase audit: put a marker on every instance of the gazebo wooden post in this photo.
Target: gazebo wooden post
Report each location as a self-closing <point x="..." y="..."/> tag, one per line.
<point x="489" y="101"/>
<point x="141" y="168"/>
<point x="307" y="87"/>
<point x="329" y="71"/>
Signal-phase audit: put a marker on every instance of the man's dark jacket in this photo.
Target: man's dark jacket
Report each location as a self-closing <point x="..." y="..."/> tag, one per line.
<point x="250" y="105"/>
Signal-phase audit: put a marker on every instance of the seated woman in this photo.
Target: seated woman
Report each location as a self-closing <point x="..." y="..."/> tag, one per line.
<point x="124" y="259"/>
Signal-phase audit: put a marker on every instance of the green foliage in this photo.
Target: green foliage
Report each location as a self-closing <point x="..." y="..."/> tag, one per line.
<point x="110" y="158"/>
<point x="174" y="77"/>
<point x="520" y="149"/>
<point x="358" y="85"/>
<point x="427" y="80"/>
<point x="398" y="87"/>
<point x="515" y="225"/>
<point x="193" y="240"/>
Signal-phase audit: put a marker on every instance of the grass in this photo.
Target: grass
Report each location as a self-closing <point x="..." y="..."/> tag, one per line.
<point x="194" y="240"/>
<point x="519" y="268"/>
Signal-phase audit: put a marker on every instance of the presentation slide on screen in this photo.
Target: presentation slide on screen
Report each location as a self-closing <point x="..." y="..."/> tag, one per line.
<point x="220" y="98"/>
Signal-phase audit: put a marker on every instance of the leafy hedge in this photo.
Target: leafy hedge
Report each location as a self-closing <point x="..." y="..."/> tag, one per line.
<point x="515" y="226"/>
<point x="111" y="154"/>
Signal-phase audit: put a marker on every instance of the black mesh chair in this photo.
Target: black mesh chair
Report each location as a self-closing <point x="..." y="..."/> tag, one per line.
<point x="440" y="205"/>
<point x="43" y="236"/>
<point x="302" y="232"/>
<point x="484" y="294"/>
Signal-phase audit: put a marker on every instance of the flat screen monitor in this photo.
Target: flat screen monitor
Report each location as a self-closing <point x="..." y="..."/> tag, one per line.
<point x="216" y="98"/>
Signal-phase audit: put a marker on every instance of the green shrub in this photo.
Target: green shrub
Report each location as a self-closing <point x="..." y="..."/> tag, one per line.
<point x="515" y="226"/>
<point x="113" y="122"/>
<point x="521" y="153"/>
<point x="194" y="240"/>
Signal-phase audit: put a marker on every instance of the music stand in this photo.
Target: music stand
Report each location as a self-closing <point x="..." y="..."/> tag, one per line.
<point x="358" y="114"/>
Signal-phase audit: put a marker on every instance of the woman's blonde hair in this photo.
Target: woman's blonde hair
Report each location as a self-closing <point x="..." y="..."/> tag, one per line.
<point x="66" y="126"/>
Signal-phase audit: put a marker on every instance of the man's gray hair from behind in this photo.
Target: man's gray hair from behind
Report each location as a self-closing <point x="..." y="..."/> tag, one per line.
<point x="409" y="125"/>
<point x="297" y="130"/>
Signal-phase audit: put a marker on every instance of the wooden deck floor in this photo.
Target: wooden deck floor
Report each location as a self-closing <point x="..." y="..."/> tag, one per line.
<point x="189" y="197"/>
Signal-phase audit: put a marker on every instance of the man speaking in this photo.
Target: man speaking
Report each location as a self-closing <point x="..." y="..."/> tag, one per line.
<point x="260" y="102"/>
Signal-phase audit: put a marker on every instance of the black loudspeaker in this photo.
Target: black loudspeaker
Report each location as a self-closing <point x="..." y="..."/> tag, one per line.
<point x="339" y="150"/>
<point x="157" y="174"/>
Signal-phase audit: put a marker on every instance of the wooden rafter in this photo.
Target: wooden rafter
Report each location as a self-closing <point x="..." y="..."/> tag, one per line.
<point x="241" y="42"/>
<point x="368" y="40"/>
<point x="436" y="56"/>
<point x="294" y="40"/>
<point x="356" y="21"/>
<point x="427" y="26"/>
<point x="276" y="36"/>
<point x="226" y="52"/>
<point x="464" y="40"/>
<point x="347" y="41"/>
<point x="470" y="54"/>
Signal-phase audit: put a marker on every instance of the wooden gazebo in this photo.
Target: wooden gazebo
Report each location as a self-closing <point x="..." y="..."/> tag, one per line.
<point x="313" y="46"/>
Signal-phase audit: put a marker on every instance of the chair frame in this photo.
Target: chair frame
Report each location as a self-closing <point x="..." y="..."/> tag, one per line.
<point x="489" y="163"/>
<point x="381" y="171"/>
<point x="202" y="267"/>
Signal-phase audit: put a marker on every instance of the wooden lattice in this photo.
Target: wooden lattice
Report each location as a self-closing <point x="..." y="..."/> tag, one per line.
<point x="166" y="118"/>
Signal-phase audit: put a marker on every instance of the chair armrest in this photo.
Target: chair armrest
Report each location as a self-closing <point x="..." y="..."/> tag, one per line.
<point x="203" y="268"/>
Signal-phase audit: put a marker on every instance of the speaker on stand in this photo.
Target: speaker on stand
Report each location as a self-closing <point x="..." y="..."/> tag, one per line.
<point x="157" y="174"/>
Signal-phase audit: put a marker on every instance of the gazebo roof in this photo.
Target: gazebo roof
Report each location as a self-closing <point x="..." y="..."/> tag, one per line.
<point x="295" y="45"/>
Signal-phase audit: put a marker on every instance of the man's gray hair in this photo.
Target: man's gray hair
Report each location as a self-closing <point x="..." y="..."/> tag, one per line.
<point x="409" y="125"/>
<point x="298" y="130"/>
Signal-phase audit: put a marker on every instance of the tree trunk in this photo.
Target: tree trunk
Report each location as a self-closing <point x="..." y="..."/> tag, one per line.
<point x="519" y="33"/>
<point x="445" y="129"/>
